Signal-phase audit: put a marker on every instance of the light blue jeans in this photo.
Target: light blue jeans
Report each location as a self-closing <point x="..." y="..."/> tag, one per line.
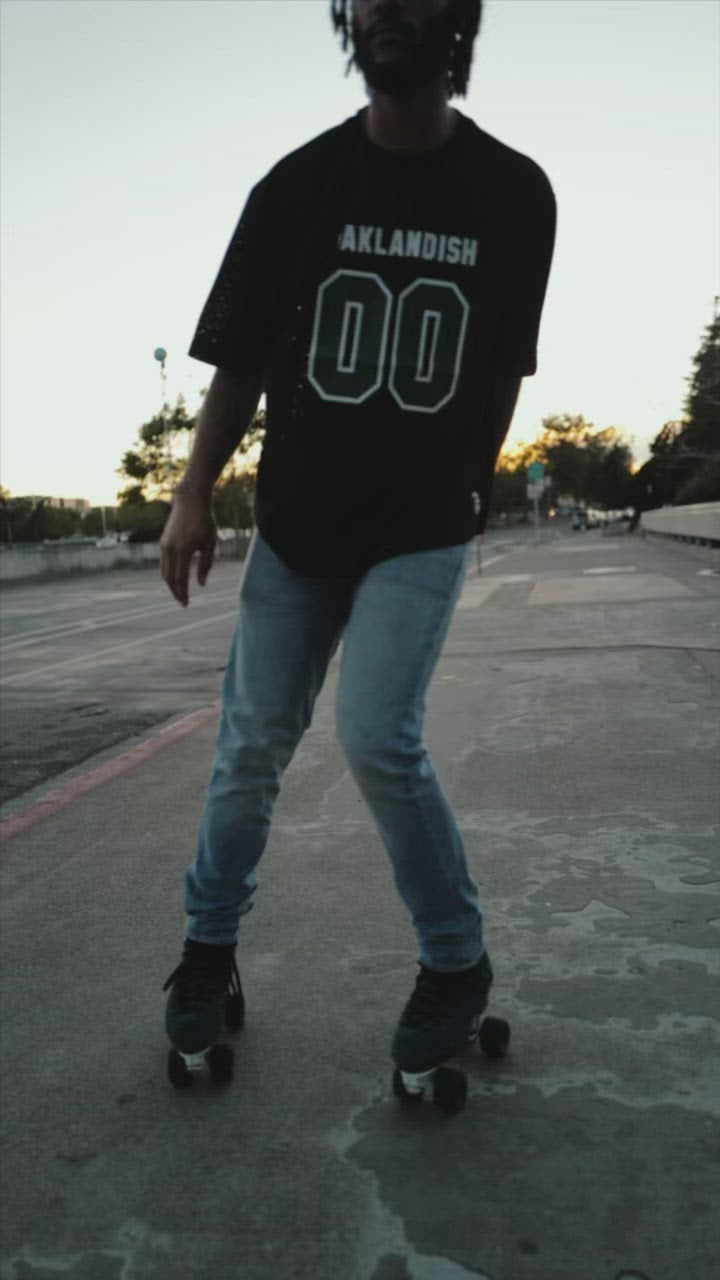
<point x="394" y="622"/>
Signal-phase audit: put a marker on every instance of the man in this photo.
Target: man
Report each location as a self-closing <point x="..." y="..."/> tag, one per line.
<point x="384" y="286"/>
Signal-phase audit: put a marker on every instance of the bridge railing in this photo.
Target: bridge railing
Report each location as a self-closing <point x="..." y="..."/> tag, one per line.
<point x="699" y="522"/>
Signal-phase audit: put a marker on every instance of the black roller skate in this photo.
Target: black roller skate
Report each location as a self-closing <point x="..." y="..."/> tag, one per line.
<point x="442" y="1018"/>
<point x="206" y="992"/>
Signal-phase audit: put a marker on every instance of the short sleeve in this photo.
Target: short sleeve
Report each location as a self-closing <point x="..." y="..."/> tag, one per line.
<point x="522" y="291"/>
<point x="236" y="325"/>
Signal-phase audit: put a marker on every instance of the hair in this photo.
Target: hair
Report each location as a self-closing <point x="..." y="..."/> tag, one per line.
<point x="466" y="23"/>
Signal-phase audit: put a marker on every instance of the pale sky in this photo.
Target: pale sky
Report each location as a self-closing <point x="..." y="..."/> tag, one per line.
<point x="133" y="130"/>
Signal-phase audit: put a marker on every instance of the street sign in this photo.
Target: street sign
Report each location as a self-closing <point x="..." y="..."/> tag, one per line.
<point x="536" y="471"/>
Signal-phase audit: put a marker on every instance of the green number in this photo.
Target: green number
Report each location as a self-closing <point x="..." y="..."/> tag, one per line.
<point x="349" y="346"/>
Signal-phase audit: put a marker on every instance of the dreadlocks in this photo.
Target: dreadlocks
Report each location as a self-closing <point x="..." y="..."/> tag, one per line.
<point x="466" y="21"/>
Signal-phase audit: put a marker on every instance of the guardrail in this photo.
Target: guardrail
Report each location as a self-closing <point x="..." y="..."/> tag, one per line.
<point x="699" y="522"/>
<point x="42" y="560"/>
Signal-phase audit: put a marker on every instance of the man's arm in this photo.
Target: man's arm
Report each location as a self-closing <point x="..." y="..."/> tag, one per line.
<point x="224" y="418"/>
<point x="497" y="416"/>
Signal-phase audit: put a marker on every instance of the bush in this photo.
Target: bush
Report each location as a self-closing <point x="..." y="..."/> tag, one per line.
<point x="145" y="523"/>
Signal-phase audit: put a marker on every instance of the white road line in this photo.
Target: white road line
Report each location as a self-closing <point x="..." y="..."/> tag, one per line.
<point x="615" y="568"/>
<point x="478" y="593"/>
<point x="492" y="559"/>
<point x="92" y="658"/>
<point x="89" y="624"/>
<point x="508" y="578"/>
<point x="589" y="546"/>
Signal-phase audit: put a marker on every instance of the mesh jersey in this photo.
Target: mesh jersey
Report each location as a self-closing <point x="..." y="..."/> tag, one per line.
<point x="377" y="294"/>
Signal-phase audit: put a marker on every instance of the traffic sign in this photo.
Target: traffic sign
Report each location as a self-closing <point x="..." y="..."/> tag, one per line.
<point x="536" y="471"/>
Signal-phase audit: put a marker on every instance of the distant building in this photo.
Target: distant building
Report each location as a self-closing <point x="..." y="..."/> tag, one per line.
<point x="69" y="504"/>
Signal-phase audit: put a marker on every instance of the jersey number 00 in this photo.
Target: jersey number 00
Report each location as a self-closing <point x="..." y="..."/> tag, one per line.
<point x="351" y="335"/>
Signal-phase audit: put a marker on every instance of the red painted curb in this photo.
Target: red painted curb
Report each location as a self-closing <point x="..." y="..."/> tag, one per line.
<point x="54" y="801"/>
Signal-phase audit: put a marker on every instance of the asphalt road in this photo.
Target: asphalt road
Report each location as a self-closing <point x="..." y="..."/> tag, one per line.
<point x="573" y="722"/>
<point x="92" y="662"/>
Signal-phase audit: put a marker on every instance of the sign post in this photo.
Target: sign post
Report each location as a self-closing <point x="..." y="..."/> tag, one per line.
<point x="536" y="485"/>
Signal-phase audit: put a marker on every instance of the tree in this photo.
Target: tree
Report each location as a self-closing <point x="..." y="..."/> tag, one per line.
<point x="613" y="476"/>
<point x="700" y="438"/>
<point x="233" y="503"/>
<point x="147" y="464"/>
<point x="685" y="455"/>
<point x="583" y="463"/>
<point x="6" y="513"/>
<point x="702" y="406"/>
<point x="93" y="524"/>
<point x="26" y="521"/>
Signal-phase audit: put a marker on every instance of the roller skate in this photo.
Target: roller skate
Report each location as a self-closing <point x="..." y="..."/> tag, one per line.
<point x="442" y="1018"/>
<point x="206" y="992"/>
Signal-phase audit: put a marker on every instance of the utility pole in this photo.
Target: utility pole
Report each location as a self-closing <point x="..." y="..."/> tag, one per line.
<point x="161" y="354"/>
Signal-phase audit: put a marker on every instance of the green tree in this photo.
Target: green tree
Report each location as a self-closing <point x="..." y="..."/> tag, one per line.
<point x="700" y="438"/>
<point x="612" y="477"/>
<point x="233" y="503"/>
<point x="509" y="493"/>
<point x="702" y="486"/>
<point x="94" y="525"/>
<point x="702" y="406"/>
<point x="34" y="522"/>
<point x="684" y="465"/>
<point x="6" y="509"/>
<point x="582" y="462"/>
<point x="147" y="464"/>
<point x="144" y="522"/>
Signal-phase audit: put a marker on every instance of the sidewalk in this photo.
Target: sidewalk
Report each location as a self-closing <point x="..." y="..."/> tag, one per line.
<point x="576" y="740"/>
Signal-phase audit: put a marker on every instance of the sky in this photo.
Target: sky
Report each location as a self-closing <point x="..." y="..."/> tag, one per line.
<point x="131" y="132"/>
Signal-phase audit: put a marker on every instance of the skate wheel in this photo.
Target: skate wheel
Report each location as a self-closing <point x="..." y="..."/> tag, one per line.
<point x="408" y="1099"/>
<point x="494" y="1037"/>
<point x="449" y="1090"/>
<point x="234" y="1012"/>
<point x="220" y="1062"/>
<point x="178" y="1074"/>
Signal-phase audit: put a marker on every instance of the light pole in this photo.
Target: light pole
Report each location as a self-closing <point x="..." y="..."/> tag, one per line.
<point x="161" y="354"/>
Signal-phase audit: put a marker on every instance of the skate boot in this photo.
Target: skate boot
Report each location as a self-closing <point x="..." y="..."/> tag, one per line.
<point x="442" y="1018"/>
<point x="206" y="992"/>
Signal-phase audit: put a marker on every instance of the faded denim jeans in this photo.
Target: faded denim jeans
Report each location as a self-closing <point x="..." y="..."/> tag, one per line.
<point x="393" y="622"/>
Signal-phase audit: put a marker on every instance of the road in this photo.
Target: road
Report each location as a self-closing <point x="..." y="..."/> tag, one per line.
<point x="89" y="663"/>
<point x="574" y="721"/>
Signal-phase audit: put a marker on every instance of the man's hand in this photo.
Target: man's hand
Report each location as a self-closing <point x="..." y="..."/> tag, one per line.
<point x="190" y="528"/>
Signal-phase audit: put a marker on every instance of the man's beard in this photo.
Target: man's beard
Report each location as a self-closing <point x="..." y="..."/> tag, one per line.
<point x="427" y="57"/>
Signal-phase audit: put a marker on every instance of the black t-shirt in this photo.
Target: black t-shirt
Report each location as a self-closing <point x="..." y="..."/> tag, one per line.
<point x="378" y="294"/>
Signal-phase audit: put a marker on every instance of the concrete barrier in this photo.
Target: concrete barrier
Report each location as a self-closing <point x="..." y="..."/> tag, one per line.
<point x="699" y="522"/>
<point x="21" y="563"/>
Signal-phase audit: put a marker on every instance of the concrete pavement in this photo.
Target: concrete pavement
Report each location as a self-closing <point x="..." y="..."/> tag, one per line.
<point x="573" y="722"/>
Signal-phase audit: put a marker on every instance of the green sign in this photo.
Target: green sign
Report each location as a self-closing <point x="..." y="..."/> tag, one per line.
<point x="536" y="471"/>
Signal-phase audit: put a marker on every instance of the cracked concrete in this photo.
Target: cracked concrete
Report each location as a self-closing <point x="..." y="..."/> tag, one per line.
<point x="583" y="783"/>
